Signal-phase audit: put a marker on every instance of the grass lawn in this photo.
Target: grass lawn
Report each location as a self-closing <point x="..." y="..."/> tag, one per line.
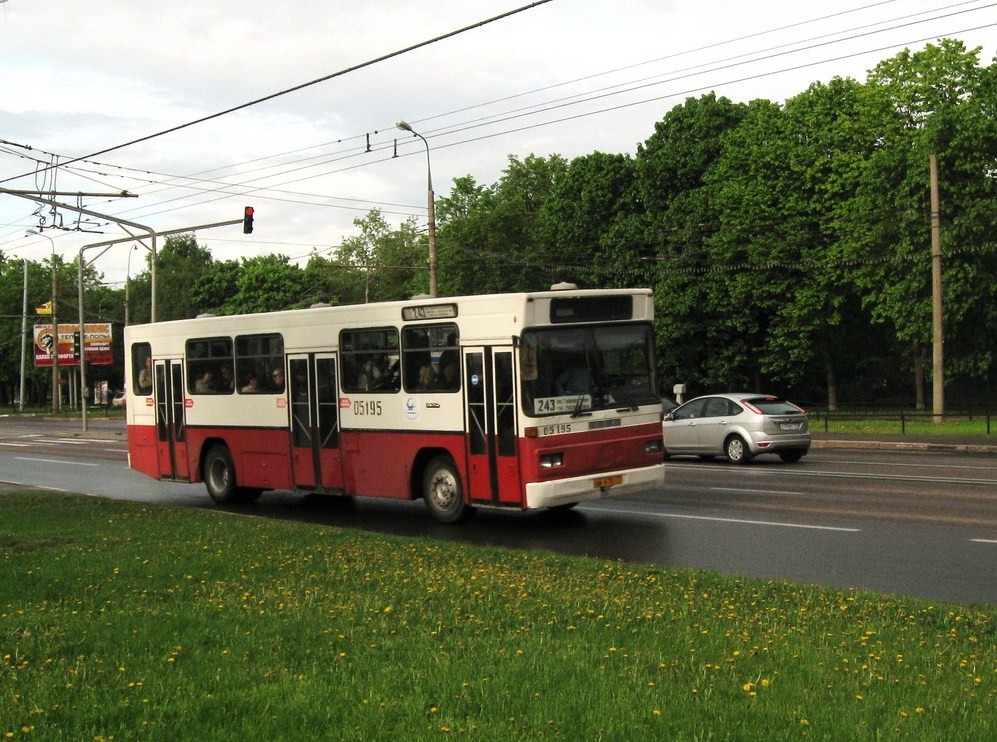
<point x="130" y="622"/>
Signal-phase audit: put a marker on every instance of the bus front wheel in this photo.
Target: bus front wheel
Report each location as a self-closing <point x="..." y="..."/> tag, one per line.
<point x="219" y="478"/>
<point x="443" y="493"/>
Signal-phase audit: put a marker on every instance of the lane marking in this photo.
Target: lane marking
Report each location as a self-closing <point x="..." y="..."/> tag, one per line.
<point x="839" y="475"/>
<point x="983" y="540"/>
<point x="756" y="492"/>
<point x="55" y="461"/>
<point x="717" y="519"/>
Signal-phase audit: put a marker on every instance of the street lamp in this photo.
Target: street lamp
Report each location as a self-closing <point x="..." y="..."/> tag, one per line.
<point x="56" y="394"/>
<point x="433" y="285"/>
<point x="128" y="280"/>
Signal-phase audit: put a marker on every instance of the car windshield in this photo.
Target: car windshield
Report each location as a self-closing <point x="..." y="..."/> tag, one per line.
<point x="578" y="369"/>
<point x="773" y="406"/>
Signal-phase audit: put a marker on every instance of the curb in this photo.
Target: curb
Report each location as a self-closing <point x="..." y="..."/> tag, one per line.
<point x="905" y="446"/>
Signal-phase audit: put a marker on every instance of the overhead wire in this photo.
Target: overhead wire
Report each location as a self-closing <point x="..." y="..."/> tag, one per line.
<point x="243" y="188"/>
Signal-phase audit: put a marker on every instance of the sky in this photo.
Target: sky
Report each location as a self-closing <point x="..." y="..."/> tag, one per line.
<point x="481" y="81"/>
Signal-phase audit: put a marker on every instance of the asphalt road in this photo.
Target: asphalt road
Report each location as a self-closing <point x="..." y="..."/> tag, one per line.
<point x="902" y="517"/>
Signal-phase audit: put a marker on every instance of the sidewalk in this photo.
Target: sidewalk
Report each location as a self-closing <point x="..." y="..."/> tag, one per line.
<point x="953" y="443"/>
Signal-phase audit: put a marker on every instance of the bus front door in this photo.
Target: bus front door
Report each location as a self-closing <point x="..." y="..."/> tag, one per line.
<point x="490" y="397"/>
<point x="316" y="456"/>
<point x="171" y="429"/>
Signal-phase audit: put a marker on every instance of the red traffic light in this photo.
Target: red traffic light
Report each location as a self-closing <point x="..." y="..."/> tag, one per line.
<point x="247" y="220"/>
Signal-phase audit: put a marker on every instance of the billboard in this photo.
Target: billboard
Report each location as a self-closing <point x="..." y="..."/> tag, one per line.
<point x="98" y="347"/>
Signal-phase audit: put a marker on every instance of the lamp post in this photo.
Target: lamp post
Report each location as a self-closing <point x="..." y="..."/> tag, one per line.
<point x="431" y="206"/>
<point x="56" y="394"/>
<point x="128" y="280"/>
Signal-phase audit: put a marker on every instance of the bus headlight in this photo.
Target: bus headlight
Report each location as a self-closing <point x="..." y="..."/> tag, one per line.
<point x="551" y="460"/>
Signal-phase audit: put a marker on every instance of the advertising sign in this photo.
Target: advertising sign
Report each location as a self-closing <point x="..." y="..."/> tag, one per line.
<point x="97" y="348"/>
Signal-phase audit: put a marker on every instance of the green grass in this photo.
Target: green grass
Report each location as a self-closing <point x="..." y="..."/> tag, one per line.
<point x="893" y="425"/>
<point x="132" y="622"/>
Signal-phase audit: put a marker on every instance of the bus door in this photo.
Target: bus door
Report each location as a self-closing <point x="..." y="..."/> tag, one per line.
<point x="316" y="457"/>
<point x="493" y="467"/>
<point x="171" y="429"/>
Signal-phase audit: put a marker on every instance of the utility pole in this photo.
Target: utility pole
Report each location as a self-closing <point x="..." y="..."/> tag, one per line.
<point x="937" y="337"/>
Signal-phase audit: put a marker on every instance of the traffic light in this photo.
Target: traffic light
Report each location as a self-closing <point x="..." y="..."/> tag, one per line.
<point x="247" y="220"/>
<point x="76" y="346"/>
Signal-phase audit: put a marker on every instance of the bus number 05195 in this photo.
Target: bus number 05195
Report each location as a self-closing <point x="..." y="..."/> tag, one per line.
<point x="555" y="429"/>
<point x="366" y="407"/>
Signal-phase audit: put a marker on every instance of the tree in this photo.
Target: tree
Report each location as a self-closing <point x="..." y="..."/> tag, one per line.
<point x="578" y="218"/>
<point x="266" y="284"/>
<point x="676" y="218"/>
<point x="936" y="101"/>
<point x="381" y="264"/>
<point x="492" y="239"/>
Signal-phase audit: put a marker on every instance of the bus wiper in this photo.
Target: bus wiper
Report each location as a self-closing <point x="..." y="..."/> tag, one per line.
<point x="578" y="406"/>
<point x="628" y="399"/>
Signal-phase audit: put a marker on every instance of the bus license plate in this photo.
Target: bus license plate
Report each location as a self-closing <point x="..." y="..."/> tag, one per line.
<point x="604" y="482"/>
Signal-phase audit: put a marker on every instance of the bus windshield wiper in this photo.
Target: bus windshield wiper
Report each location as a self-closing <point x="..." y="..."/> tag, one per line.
<point x="578" y="405"/>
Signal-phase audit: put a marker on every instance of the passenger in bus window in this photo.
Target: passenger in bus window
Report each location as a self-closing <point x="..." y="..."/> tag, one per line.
<point x="206" y="384"/>
<point x="227" y="381"/>
<point x="427" y="378"/>
<point x="145" y="377"/>
<point x="449" y="372"/>
<point x="278" y="379"/>
<point x="370" y="373"/>
<point x="252" y="385"/>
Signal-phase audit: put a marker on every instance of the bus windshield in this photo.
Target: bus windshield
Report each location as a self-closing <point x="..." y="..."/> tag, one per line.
<point x="578" y="369"/>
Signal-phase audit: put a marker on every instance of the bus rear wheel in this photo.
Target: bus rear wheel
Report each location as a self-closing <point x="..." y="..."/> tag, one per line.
<point x="219" y="478"/>
<point x="443" y="493"/>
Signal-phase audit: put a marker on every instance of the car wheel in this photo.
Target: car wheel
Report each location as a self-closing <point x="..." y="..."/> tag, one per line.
<point x="792" y="456"/>
<point x="442" y="491"/>
<point x="737" y="450"/>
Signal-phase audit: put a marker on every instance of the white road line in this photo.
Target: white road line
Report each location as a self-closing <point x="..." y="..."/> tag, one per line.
<point x="756" y="492"/>
<point x="715" y="519"/>
<point x="55" y="461"/>
<point x="983" y="540"/>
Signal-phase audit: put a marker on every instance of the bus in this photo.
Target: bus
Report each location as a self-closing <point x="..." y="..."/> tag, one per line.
<point x="511" y="401"/>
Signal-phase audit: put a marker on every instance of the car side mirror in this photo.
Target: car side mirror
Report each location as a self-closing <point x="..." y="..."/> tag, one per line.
<point x="669" y="416"/>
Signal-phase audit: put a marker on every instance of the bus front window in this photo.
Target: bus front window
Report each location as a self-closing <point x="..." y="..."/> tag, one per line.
<point x="576" y="369"/>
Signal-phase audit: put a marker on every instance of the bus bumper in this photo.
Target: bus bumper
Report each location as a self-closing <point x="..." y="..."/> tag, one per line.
<point x="583" y="489"/>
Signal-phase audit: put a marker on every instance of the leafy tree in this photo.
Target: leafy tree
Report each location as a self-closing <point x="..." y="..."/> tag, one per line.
<point x="695" y="343"/>
<point x="577" y="223"/>
<point x="492" y="239"/>
<point x="935" y="101"/>
<point x="380" y="263"/>
<point x="266" y="284"/>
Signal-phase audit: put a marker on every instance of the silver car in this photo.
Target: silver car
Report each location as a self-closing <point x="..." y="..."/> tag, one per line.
<point x="738" y="426"/>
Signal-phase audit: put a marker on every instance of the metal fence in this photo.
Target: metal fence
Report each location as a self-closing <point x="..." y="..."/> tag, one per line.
<point x="823" y="418"/>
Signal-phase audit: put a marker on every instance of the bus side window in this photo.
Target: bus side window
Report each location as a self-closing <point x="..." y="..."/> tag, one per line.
<point x="142" y="368"/>
<point x="209" y="365"/>
<point x="370" y="360"/>
<point x="259" y="363"/>
<point x="430" y="358"/>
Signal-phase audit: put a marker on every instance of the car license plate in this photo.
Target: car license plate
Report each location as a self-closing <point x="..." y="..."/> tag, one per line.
<point x="604" y="482"/>
<point x="789" y="426"/>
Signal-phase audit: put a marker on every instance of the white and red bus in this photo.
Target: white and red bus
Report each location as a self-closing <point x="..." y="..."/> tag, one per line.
<point x="515" y="401"/>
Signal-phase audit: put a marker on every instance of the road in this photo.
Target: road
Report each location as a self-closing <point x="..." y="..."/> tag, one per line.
<point x="890" y="521"/>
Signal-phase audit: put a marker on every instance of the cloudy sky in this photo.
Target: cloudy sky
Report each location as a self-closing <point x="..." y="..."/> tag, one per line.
<point x="564" y="76"/>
